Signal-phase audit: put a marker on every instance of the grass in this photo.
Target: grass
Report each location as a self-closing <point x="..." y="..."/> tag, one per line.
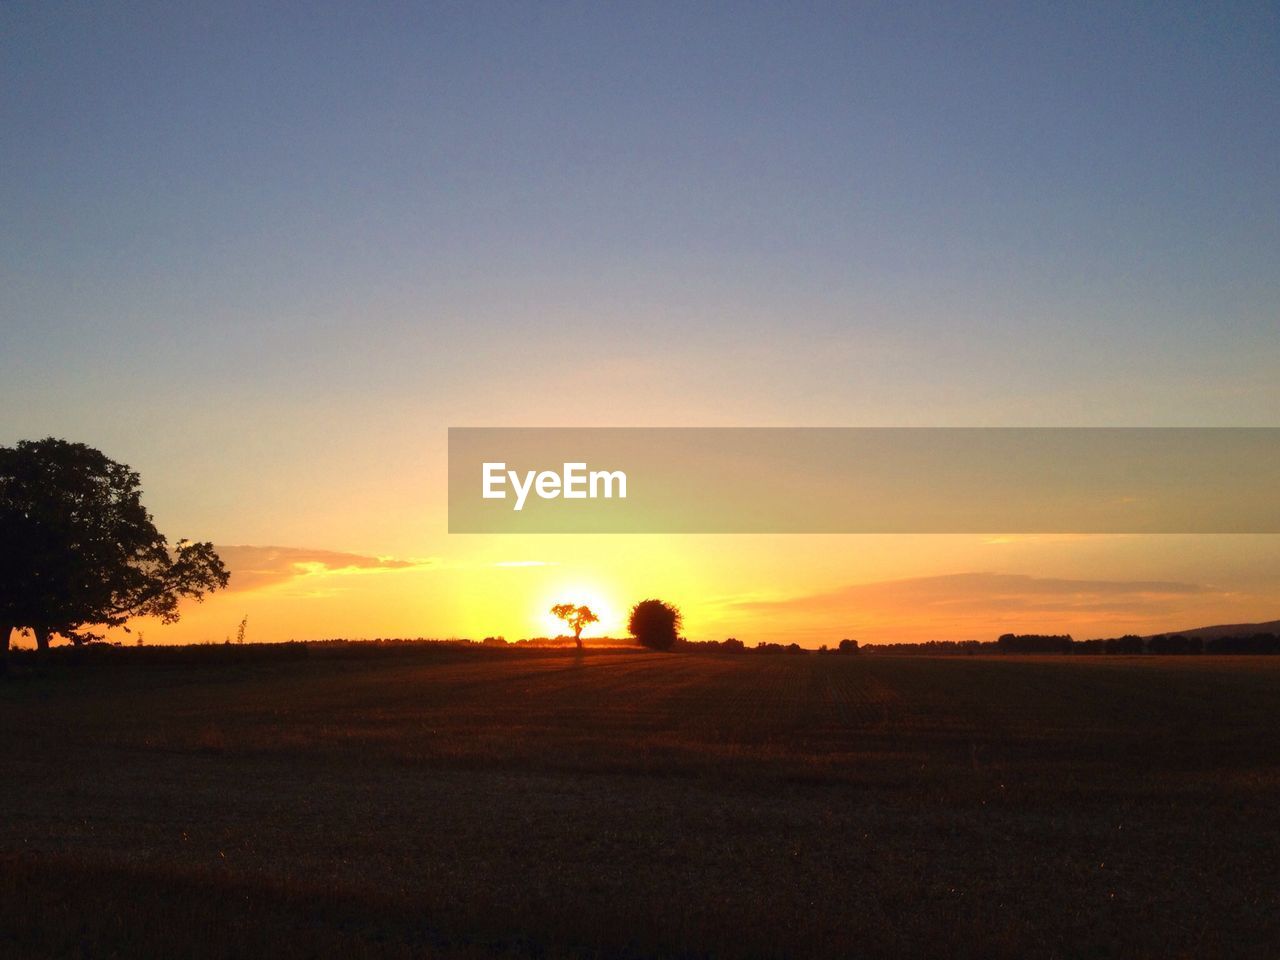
<point x="398" y="802"/>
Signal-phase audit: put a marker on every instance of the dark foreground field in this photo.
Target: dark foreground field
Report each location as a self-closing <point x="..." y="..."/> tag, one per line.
<point x="419" y="802"/>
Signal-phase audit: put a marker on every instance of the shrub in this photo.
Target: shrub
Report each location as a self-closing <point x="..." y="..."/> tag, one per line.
<point x="654" y="624"/>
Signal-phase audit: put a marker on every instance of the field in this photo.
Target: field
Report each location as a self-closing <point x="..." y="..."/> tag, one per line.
<point x="439" y="802"/>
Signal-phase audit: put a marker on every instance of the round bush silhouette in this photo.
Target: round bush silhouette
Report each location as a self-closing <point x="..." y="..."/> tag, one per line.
<point x="654" y="624"/>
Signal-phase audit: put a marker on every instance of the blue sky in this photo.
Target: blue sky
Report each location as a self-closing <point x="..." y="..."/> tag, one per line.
<point x="213" y="184"/>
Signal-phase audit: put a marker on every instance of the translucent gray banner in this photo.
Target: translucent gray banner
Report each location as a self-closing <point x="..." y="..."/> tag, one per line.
<point x="864" y="480"/>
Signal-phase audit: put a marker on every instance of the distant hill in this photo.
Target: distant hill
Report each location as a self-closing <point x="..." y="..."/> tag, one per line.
<point x="1228" y="630"/>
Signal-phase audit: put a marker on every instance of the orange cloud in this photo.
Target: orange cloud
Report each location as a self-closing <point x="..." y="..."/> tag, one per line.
<point x="255" y="568"/>
<point x="978" y="604"/>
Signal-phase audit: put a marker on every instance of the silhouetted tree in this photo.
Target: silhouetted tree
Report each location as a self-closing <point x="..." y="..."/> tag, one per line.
<point x="654" y="624"/>
<point x="848" y="646"/>
<point x="1257" y="643"/>
<point x="576" y="618"/>
<point x="1127" y="645"/>
<point x="1034" y="643"/>
<point x="1175" y="643"/>
<point x="79" y="549"/>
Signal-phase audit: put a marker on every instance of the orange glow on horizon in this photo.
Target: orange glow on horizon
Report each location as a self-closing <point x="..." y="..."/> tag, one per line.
<point x="810" y="590"/>
<point x="611" y="614"/>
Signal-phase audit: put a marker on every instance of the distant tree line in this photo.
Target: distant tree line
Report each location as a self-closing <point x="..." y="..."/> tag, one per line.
<point x="1034" y="643"/>
<point x="734" y="645"/>
<point x="1128" y="645"/>
<point x="1013" y="643"/>
<point x="728" y="645"/>
<point x="1132" y="645"/>
<point x="933" y="648"/>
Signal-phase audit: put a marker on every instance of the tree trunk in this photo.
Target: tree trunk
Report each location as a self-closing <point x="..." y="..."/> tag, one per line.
<point x="6" y="630"/>
<point x="577" y="637"/>
<point x="42" y="639"/>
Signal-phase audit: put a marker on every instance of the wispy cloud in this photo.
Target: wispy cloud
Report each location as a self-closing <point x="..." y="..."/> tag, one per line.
<point x="978" y="605"/>
<point x="254" y="568"/>
<point x="1006" y="539"/>
<point x="985" y="592"/>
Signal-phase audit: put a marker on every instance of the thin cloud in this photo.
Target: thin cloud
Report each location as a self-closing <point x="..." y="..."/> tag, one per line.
<point x="255" y="568"/>
<point x="1006" y="539"/>
<point x="987" y="592"/>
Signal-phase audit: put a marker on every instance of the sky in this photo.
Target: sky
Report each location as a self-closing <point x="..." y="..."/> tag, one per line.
<point x="268" y="253"/>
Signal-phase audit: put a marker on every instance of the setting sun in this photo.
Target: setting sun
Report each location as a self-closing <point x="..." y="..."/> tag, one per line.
<point x="612" y="615"/>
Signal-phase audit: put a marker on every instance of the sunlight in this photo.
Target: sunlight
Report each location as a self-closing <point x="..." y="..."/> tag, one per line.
<point x="602" y="605"/>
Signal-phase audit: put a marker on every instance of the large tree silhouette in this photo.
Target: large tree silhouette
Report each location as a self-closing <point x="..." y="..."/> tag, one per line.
<point x="575" y="617"/>
<point x="78" y="550"/>
<point x="655" y="624"/>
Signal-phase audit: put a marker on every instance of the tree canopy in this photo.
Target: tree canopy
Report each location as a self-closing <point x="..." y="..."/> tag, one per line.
<point x="80" y="551"/>
<point x="575" y="617"/>
<point x="655" y="624"/>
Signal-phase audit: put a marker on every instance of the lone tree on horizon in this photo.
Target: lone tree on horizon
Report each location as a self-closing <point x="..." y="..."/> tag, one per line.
<point x="655" y="624"/>
<point x="576" y="618"/>
<point x="81" y="551"/>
